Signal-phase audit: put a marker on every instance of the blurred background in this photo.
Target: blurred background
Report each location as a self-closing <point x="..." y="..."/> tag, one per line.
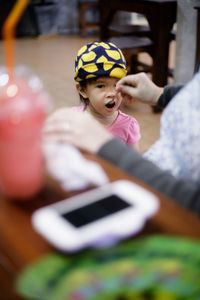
<point x="51" y="32"/>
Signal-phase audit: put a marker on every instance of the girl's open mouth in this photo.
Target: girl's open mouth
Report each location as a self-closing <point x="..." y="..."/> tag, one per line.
<point x="110" y="104"/>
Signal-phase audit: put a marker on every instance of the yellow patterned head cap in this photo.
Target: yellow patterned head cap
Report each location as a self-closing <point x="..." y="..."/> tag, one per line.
<point x="99" y="59"/>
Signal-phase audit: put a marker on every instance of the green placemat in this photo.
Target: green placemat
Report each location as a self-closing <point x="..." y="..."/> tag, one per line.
<point x="158" y="267"/>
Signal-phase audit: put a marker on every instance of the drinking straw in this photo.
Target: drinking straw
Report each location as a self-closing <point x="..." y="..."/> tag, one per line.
<point x="9" y="32"/>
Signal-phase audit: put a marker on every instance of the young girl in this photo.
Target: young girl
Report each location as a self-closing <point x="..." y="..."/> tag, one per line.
<point x="98" y="67"/>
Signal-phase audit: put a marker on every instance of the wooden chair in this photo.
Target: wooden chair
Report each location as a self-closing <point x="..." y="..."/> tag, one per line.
<point x="129" y="29"/>
<point x="134" y="39"/>
<point x="84" y="24"/>
<point x="131" y="47"/>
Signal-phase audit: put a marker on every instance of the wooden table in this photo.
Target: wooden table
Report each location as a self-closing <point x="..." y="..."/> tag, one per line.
<point x="21" y="245"/>
<point x="161" y="16"/>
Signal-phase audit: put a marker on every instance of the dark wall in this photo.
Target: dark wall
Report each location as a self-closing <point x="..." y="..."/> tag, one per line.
<point x="26" y="26"/>
<point x="5" y="7"/>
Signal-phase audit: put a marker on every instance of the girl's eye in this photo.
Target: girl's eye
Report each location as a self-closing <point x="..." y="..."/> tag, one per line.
<point x="100" y="86"/>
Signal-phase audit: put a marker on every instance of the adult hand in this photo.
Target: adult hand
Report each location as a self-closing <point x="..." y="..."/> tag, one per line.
<point x="76" y="128"/>
<point x="139" y="87"/>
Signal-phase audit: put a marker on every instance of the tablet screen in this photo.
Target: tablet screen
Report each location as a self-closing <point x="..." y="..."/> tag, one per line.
<point x="95" y="211"/>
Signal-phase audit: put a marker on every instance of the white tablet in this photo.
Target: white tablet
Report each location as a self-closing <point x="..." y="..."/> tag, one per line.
<point x="98" y="218"/>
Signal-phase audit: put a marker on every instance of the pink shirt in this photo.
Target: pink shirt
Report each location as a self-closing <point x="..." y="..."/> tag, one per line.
<point x="125" y="127"/>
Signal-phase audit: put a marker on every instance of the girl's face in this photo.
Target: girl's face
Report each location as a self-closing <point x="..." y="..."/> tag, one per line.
<point x="102" y="95"/>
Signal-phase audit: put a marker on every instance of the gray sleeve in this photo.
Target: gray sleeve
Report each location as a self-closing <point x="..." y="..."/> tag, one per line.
<point x="185" y="193"/>
<point x="167" y="95"/>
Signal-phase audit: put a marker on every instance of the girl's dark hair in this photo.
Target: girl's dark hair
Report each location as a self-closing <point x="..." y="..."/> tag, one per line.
<point x="83" y="85"/>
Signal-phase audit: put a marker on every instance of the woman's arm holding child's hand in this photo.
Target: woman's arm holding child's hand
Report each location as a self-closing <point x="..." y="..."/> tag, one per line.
<point x="139" y="87"/>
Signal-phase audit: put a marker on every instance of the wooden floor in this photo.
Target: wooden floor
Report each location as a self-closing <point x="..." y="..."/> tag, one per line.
<point x="52" y="58"/>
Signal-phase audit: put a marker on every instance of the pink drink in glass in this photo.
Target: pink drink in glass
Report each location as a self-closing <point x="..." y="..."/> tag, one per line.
<point x="23" y="107"/>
